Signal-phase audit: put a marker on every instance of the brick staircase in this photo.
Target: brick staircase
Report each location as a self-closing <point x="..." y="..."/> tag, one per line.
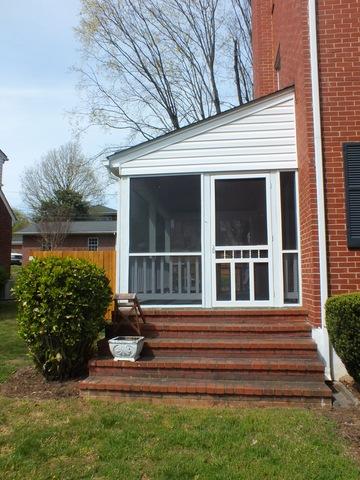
<point x="212" y="356"/>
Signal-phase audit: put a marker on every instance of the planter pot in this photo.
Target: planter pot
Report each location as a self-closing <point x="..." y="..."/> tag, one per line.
<point x="126" y="348"/>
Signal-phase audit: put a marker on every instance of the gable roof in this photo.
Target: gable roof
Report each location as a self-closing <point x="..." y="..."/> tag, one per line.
<point x="122" y="156"/>
<point x="101" y="211"/>
<point x="3" y="157"/>
<point x="77" y="228"/>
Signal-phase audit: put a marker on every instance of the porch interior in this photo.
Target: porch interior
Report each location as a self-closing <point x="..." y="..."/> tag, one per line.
<point x="215" y="356"/>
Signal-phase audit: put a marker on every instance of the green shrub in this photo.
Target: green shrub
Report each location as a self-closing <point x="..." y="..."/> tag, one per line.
<point x="61" y="307"/>
<point x="343" y="323"/>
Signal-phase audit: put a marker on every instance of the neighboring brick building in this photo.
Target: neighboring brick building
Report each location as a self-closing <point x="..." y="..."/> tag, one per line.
<point x="6" y="219"/>
<point x="314" y="45"/>
<point x="96" y="233"/>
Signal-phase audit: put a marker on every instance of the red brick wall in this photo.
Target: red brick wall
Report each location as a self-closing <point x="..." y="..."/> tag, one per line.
<point x="339" y="65"/>
<point x="72" y="242"/>
<point x="338" y="23"/>
<point x="5" y="237"/>
<point x="264" y="74"/>
<point x="290" y="32"/>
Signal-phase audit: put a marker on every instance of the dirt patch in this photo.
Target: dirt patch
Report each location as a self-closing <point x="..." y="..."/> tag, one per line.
<point x="28" y="383"/>
<point x="348" y="422"/>
<point x="350" y="384"/>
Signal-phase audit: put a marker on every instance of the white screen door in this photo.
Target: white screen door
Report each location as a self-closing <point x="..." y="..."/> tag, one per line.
<point x="242" y="241"/>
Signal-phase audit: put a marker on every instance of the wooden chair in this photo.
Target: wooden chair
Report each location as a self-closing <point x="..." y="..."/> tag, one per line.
<point x="127" y="308"/>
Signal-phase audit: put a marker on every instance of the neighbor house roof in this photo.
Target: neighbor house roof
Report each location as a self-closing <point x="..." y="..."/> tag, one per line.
<point x="77" y="228"/>
<point x="3" y="157"/>
<point x="101" y="210"/>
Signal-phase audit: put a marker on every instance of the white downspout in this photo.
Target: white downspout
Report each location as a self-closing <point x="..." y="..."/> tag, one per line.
<point x="314" y="64"/>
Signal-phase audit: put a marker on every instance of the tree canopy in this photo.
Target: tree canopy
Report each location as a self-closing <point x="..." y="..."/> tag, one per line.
<point x="66" y="204"/>
<point x="62" y="185"/>
<point x="21" y="220"/>
<point x="152" y="66"/>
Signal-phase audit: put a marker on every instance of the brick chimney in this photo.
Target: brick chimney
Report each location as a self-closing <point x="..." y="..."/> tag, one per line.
<point x="262" y="40"/>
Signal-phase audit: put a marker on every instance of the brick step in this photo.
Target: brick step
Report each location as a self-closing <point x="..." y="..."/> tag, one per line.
<point x="210" y="347"/>
<point x="213" y="368"/>
<point x="269" y="313"/>
<point x="226" y="329"/>
<point x="232" y="329"/>
<point x="211" y="390"/>
<point x="223" y="319"/>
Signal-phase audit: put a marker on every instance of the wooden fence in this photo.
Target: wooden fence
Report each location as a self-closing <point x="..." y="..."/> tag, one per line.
<point x="105" y="259"/>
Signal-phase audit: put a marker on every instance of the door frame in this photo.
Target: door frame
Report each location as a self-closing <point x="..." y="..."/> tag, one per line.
<point x="273" y="244"/>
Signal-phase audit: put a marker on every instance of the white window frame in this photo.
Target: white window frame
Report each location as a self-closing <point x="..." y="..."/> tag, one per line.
<point x="272" y="242"/>
<point x="124" y="245"/>
<point x="90" y="239"/>
<point x="207" y="240"/>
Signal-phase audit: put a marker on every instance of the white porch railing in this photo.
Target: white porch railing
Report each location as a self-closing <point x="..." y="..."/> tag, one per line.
<point x="170" y="278"/>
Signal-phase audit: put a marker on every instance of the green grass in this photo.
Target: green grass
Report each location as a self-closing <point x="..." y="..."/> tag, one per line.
<point x="12" y="348"/>
<point x="77" y="439"/>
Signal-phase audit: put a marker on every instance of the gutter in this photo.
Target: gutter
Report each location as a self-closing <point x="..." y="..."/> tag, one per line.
<point x="320" y="197"/>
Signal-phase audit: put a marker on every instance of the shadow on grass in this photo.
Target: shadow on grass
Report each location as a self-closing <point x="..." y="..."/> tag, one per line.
<point x="13" y="353"/>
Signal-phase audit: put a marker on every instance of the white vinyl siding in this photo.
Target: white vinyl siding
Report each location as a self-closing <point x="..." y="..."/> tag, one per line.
<point x="263" y="139"/>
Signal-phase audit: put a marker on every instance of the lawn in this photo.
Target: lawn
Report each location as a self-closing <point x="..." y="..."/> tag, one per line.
<point x="78" y="439"/>
<point x="12" y="349"/>
<point x="82" y="439"/>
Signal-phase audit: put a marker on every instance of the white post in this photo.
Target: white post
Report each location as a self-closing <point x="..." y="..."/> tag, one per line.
<point x="122" y="251"/>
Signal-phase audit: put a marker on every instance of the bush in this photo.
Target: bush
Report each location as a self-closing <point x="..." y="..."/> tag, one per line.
<point x="343" y="323"/>
<point x="61" y="307"/>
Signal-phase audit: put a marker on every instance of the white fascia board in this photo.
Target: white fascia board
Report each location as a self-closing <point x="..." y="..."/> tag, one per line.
<point x="118" y="159"/>
<point x="211" y="168"/>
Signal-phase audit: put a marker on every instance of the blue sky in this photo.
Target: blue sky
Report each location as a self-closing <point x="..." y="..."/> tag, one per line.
<point x="38" y="47"/>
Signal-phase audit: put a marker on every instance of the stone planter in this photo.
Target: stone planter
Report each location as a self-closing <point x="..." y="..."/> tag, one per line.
<point x="126" y="348"/>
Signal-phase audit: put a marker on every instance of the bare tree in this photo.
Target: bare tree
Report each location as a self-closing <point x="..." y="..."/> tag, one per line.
<point x="242" y="54"/>
<point x="53" y="232"/>
<point x="65" y="169"/>
<point x="152" y="66"/>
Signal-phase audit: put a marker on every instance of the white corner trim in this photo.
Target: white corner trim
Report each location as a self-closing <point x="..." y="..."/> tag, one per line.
<point x="318" y="157"/>
<point x="314" y="64"/>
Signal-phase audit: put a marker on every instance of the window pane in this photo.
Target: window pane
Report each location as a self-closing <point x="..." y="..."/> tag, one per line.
<point x="223" y="281"/>
<point x="165" y="214"/>
<point x="241" y="212"/>
<point x="242" y="281"/>
<point x="261" y="280"/>
<point x="288" y="210"/>
<point x="291" y="277"/>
